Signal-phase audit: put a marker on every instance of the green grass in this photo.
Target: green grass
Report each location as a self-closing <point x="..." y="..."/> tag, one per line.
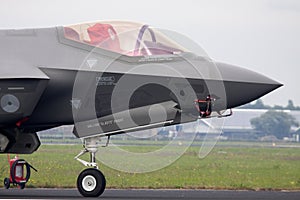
<point x="224" y="168"/>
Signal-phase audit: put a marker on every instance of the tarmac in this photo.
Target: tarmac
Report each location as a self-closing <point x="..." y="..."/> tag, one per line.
<point x="132" y="194"/>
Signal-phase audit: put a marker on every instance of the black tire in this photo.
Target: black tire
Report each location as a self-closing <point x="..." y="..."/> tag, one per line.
<point x="6" y="183"/>
<point x="22" y="186"/>
<point x="91" y="183"/>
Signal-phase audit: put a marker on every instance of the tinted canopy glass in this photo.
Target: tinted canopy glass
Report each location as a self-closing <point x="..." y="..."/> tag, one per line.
<point x="127" y="38"/>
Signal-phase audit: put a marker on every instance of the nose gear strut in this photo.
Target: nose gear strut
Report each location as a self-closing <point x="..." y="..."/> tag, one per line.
<point x="91" y="182"/>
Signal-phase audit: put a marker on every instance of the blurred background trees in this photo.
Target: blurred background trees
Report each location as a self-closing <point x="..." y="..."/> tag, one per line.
<point x="277" y="123"/>
<point x="259" y="104"/>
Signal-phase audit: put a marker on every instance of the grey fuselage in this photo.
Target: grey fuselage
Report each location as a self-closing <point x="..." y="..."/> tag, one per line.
<point x="59" y="82"/>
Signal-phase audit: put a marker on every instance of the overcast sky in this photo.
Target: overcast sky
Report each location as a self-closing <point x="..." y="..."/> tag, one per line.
<point x="261" y="35"/>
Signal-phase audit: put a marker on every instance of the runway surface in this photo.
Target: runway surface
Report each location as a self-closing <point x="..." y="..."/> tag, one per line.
<point x="111" y="194"/>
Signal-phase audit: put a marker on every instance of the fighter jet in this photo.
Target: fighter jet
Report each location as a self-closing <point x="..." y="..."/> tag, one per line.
<point x="108" y="78"/>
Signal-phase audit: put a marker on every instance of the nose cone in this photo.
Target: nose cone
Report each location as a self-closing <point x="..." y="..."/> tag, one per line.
<point x="243" y="86"/>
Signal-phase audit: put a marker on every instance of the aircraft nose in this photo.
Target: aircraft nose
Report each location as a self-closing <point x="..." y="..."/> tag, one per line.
<point x="243" y="86"/>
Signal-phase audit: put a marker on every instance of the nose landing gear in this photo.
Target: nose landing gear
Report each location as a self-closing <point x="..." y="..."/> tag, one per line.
<point x="90" y="182"/>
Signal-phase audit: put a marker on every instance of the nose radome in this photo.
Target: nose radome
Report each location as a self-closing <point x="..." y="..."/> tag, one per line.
<point x="234" y="73"/>
<point x="243" y="86"/>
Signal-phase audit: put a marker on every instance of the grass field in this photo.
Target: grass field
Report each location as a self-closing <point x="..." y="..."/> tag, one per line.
<point x="224" y="168"/>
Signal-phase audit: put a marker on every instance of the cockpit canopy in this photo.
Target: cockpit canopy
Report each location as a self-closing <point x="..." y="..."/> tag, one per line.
<point x="127" y="38"/>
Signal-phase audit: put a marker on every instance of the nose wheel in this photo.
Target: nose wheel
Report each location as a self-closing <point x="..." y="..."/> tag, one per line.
<point x="91" y="183"/>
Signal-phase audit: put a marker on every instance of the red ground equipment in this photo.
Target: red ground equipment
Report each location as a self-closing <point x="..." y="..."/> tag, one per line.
<point x="18" y="175"/>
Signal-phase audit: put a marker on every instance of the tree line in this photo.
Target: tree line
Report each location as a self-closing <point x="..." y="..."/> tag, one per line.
<point x="259" y="104"/>
<point x="275" y="121"/>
